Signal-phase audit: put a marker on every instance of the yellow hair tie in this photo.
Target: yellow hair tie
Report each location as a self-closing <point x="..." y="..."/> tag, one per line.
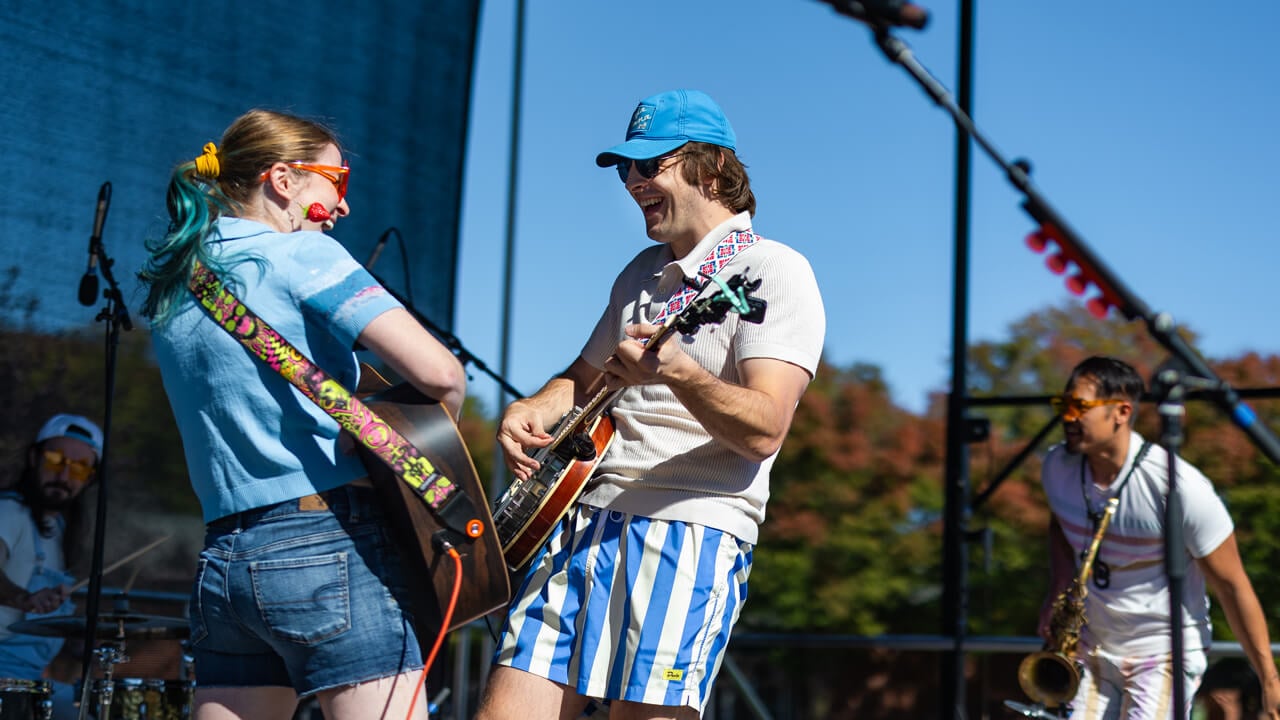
<point x="207" y="164"/>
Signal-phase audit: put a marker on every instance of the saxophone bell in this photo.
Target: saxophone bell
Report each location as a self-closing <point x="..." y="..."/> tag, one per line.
<point x="1049" y="678"/>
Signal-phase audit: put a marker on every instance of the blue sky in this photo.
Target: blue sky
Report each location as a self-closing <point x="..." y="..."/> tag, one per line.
<point x="1151" y="127"/>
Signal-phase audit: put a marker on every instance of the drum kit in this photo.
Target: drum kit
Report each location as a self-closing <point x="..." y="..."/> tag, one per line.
<point x="109" y="697"/>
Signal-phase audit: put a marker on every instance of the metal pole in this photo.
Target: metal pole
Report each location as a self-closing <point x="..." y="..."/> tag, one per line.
<point x="500" y="476"/>
<point x="955" y="555"/>
<point x="499" y="480"/>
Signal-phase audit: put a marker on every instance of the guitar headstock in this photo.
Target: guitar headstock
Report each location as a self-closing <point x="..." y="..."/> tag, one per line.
<point x="733" y="296"/>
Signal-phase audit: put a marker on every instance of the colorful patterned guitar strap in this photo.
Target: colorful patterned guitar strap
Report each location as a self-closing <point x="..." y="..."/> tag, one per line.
<point x="714" y="262"/>
<point x="352" y="415"/>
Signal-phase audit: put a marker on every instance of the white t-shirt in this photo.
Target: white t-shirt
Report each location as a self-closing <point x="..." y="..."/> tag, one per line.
<point x="1131" y="616"/>
<point x="34" y="562"/>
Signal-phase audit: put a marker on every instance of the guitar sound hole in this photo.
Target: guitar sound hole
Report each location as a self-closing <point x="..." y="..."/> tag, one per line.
<point x="583" y="449"/>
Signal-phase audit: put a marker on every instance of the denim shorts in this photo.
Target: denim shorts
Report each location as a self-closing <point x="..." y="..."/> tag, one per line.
<point x="307" y="593"/>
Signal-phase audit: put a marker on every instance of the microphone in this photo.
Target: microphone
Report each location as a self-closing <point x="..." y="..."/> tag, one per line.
<point x="377" y="248"/>
<point x="89" y="283"/>
<point x="883" y="13"/>
<point x="1186" y="368"/>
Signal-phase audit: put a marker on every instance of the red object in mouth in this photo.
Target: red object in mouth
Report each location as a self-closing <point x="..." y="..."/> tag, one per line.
<point x="318" y="213"/>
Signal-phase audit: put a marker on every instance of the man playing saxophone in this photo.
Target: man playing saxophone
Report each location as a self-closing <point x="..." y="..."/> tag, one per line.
<point x="1125" y="648"/>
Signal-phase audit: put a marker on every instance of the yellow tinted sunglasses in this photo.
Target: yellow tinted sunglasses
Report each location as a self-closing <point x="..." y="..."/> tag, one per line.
<point x="1071" y="407"/>
<point x="77" y="470"/>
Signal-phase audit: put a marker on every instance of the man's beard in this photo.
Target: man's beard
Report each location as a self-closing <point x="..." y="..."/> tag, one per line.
<point x="57" y="501"/>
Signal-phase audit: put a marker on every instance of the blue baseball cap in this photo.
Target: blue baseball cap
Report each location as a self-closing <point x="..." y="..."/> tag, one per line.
<point x="664" y="122"/>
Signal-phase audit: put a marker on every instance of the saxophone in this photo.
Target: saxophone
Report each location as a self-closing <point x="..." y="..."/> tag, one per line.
<point x="1052" y="676"/>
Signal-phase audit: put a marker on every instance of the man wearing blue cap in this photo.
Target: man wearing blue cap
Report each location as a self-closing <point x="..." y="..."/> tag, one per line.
<point x="33" y="541"/>
<point x="633" y="597"/>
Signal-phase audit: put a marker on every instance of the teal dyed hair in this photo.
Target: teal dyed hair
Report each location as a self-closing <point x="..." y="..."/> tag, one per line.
<point x="252" y="144"/>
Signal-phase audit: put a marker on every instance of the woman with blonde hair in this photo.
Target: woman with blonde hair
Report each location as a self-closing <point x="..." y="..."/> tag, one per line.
<point x="298" y="590"/>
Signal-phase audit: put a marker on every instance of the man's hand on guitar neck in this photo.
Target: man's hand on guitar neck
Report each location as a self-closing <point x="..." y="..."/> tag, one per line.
<point x="524" y="424"/>
<point x="520" y="431"/>
<point x="750" y="418"/>
<point x="634" y="363"/>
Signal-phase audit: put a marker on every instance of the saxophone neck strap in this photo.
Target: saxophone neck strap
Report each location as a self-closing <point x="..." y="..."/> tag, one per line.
<point x="1095" y="516"/>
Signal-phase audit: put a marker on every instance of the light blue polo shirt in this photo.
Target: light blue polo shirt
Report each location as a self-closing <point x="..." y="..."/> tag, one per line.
<point x="251" y="439"/>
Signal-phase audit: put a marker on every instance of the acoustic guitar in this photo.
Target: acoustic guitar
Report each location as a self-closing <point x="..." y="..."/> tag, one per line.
<point x="430" y="572"/>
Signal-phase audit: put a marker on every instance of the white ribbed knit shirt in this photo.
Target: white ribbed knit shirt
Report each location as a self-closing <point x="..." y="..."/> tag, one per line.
<point x="662" y="463"/>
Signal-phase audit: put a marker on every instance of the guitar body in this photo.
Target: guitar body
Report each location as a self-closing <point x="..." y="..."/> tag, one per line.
<point x="430" y="573"/>
<point x="528" y="511"/>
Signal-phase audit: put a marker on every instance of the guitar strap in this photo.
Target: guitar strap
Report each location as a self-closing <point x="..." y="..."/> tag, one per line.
<point x="397" y="453"/>
<point x="720" y="255"/>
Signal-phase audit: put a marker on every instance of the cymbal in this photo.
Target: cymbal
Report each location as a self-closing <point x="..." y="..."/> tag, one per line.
<point x="110" y="625"/>
<point x="1031" y="711"/>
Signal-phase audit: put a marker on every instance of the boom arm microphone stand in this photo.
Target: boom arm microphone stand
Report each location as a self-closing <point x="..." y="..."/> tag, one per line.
<point x="450" y="340"/>
<point x="116" y="315"/>
<point x="1072" y="250"/>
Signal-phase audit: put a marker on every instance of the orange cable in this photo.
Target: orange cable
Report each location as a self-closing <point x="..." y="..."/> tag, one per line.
<point x="444" y="627"/>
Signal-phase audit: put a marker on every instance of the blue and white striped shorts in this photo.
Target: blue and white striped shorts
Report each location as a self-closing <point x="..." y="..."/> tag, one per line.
<point x="624" y="607"/>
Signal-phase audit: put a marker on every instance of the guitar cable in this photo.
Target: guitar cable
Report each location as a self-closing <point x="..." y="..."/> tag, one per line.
<point x="444" y="625"/>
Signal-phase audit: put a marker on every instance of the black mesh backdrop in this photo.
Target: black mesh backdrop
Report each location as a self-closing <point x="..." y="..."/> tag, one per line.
<point x="123" y="91"/>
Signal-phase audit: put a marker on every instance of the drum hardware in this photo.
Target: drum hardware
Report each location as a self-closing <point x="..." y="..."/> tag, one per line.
<point x="130" y="698"/>
<point x="108" y="698"/>
<point x="23" y="699"/>
<point x="108" y="655"/>
<point x="111" y="626"/>
<point x="1036" y="710"/>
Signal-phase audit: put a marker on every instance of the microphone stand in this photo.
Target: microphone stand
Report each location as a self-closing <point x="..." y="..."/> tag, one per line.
<point x="1171" y="393"/>
<point x="1073" y="250"/>
<point x="116" y="315"/>
<point x="450" y="340"/>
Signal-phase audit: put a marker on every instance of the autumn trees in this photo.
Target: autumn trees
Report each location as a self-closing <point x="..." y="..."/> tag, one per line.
<point x="852" y="541"/>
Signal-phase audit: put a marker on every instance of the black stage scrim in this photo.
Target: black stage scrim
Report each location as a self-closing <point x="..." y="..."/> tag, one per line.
<point x="122" y="92"/>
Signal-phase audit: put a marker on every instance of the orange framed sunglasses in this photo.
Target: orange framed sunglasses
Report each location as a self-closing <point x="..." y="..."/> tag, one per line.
<point x="338" y="175"/>
<point x="1071" y="407"/>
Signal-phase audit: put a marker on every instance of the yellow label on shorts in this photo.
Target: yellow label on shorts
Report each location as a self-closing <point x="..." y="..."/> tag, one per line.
<point x="673" y="674"/>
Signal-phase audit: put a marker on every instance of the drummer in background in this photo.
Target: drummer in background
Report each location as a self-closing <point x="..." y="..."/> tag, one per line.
<point x="35" y="517"/>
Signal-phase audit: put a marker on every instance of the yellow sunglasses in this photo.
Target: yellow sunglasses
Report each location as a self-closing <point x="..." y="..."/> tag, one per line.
<point x="77" y="470"/>
<point x="1071" y="407"/>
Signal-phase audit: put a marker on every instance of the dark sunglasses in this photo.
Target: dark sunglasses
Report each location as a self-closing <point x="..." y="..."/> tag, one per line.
<point x="648" y="168"/>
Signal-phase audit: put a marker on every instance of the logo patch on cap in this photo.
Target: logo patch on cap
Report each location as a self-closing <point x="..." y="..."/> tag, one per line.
<point x="641" y="118"/>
